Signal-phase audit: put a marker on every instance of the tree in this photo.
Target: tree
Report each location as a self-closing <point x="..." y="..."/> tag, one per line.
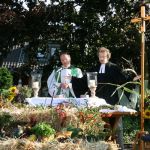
<point x="6" y="78"/>
<point x="80" y="26"/>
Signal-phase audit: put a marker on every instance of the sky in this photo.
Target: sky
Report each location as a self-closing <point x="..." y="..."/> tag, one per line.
<point x="47" y="3"/>
<point x="26" y="7"/>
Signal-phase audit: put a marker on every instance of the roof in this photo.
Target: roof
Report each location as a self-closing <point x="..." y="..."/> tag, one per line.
<point x="16" y="58"/>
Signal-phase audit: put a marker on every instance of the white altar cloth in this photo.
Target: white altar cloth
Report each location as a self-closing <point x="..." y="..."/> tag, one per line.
<point x="80" y="102"/>
<point x="47" y="101"/>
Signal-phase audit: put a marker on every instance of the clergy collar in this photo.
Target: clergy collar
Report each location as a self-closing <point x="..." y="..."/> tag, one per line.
<point x="102" y="68"/>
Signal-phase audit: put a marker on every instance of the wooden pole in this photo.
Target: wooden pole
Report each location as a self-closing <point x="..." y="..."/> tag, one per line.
<point x="142" y="69"/>
<point x="142" y="65"/>
<point x="142" y="20"/>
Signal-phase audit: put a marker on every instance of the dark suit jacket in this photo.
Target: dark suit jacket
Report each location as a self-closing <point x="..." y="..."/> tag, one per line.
<point x="112" y="75"/>
<point x="80" y="86"/>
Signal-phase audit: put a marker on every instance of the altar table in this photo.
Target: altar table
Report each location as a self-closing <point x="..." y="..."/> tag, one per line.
<point x="117" y="116"/>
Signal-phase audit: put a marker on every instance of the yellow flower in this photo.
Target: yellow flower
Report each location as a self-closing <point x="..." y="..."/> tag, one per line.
<point x="147" y="114"/>
<point x="13" y="90"/>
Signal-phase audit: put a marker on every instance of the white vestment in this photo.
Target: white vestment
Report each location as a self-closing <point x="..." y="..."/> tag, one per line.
<point x="62" y="75"/>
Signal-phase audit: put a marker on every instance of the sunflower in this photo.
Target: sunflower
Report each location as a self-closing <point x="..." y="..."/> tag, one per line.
<point x="13" y="90"/>
<point x="147" y="114"/>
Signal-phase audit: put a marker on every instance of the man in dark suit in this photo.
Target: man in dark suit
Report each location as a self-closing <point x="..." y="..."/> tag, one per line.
<point x="109" y="75"/>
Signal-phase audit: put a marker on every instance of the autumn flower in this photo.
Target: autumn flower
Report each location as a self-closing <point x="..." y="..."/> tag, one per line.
<point x="61" y="114"/>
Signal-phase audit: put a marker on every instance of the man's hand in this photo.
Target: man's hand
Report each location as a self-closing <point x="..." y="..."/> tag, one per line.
<point x="64" y="85"/>
<point x="137" y="78"/>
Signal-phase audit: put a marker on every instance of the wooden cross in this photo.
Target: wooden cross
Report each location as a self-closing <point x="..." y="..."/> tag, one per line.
<point x="142" y="19"/>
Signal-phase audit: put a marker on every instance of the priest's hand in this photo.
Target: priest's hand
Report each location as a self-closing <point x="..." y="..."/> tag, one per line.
<point x="64" y="85"/>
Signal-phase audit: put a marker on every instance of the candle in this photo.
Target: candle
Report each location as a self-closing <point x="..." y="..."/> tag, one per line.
<point x="35" y="84"/>
<point x="91" y="83"/>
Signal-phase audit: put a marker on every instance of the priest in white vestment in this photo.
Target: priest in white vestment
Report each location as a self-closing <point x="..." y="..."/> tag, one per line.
<point x="59" y="82"/>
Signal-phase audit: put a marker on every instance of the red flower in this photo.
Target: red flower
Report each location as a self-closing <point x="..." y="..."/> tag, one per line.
<point x="61" y="113"/>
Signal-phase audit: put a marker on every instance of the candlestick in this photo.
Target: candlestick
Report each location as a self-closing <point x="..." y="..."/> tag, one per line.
<point x="35" y="84"/>
<point x="91" y="83"/>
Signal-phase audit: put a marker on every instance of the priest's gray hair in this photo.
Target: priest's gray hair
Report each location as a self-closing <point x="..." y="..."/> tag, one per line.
<point x="102" y="49"/>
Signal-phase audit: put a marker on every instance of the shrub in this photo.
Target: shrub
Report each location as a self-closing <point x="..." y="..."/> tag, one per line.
<point x="6" y="79"/>
<point x="25" y="91"/>
<point x="5" y="120"/>
<point x="43" y="129"/>
<point x="130" y="128"/>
